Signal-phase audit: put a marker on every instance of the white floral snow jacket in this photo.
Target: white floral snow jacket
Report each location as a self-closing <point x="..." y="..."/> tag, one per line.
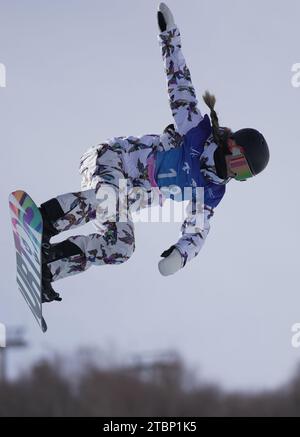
<point x="139" y="155"/>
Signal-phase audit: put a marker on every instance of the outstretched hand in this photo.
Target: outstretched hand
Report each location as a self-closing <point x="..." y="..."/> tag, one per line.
<point x="164" y="17"/>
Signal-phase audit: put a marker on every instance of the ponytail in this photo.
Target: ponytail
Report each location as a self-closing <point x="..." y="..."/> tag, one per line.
<point x="218" y="136"/>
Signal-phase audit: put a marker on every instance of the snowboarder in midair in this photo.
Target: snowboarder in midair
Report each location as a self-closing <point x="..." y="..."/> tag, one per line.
<point x="193" y="152"/>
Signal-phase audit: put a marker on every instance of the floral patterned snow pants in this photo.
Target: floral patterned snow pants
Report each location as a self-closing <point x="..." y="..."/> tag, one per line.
<point x="113" y="243"/>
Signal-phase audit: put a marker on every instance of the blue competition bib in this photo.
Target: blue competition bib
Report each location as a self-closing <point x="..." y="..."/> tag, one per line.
<point x="181" y="166"/>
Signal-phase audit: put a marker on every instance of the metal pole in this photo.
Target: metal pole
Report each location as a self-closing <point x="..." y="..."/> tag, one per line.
<point x="2" y="365"/>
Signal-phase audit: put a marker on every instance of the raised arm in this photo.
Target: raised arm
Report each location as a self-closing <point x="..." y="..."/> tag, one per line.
<point x="182" y="96"/>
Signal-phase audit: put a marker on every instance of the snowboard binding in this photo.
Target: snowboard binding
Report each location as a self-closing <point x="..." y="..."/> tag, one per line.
<point x="48" y="293"/>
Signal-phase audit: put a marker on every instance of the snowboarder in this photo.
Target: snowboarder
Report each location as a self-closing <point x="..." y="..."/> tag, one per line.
<point x="194" y="152"/>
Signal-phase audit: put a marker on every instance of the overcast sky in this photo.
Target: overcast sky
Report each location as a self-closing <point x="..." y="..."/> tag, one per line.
<point x="79" y="72"/>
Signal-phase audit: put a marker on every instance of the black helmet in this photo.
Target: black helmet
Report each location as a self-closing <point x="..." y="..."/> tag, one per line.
<point x="255" y="148"/>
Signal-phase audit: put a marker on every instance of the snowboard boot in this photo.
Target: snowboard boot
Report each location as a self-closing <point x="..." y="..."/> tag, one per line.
<point x="48" y="293"/>
<point x="51" y="211"/>
<point x="64" y="249"/>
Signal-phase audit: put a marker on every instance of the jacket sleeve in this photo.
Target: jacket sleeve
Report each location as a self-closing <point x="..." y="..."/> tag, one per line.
<point x="182" y="96"/>
<point x="169" y="139"/>
<point x="194" y="229"/>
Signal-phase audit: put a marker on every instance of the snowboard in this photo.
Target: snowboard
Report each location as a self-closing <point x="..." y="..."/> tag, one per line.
<point x="27" y="224"/>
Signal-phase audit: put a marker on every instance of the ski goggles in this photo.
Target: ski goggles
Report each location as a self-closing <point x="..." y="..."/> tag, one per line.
<point x="238" y="164"/>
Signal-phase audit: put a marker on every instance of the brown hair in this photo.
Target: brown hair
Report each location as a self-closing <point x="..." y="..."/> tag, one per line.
<point x="220" y="137"/>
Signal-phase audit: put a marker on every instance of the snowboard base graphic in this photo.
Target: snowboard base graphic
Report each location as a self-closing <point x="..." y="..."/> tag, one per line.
<point x="27" y="224"/>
